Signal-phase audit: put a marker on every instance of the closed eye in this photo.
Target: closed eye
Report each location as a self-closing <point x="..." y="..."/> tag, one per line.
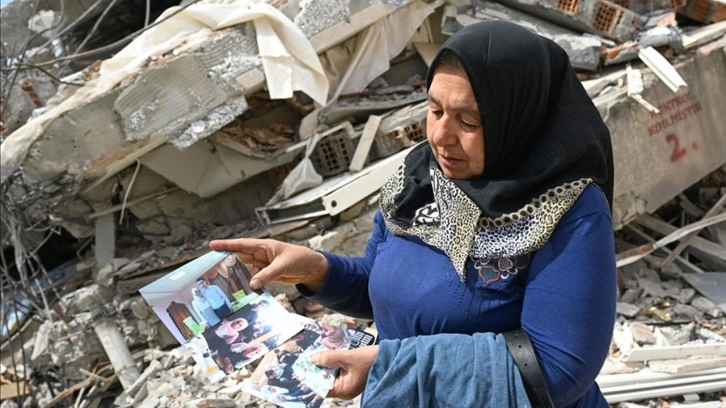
<point x="469" y="124"/>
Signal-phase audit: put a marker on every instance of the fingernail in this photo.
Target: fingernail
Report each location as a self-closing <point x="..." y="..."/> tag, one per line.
<point x="255" y="284"/>
<point x="314" y="359"/>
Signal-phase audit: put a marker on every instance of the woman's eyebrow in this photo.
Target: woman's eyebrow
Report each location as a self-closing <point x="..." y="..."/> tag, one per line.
<point x="463" y="108"/>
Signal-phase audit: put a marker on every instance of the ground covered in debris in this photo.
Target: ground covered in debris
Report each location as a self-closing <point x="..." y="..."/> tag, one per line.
<point x="114" y="175"/>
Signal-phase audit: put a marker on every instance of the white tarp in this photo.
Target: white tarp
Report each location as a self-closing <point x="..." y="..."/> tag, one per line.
<point x="289" y="61"/>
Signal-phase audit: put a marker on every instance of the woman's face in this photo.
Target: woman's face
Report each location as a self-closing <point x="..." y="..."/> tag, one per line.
<point x="453" y="125"/>
<point x="239" y="324"/>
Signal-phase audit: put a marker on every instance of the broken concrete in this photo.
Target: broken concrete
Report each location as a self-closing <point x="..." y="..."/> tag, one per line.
<point x="162" y="175"/>
<point x="583" y="50"/>
<point x="659" y="155"/>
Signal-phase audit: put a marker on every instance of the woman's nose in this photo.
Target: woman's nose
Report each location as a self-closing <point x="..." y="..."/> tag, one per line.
<point x="444" y="133"/>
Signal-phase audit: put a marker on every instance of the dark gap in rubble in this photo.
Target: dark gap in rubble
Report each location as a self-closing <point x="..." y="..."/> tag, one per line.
<point x="125" y="18"/>
<point x="57" y="250"/>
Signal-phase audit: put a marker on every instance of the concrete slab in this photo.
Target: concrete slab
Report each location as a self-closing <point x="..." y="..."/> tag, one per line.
<point x="659" y="155"/>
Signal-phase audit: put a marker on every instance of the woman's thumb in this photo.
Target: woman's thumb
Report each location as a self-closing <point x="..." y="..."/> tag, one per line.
<point x="325" y="359"/>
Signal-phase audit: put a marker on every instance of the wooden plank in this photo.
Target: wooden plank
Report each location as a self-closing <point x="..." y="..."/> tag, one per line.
<point x="13" y="390"/>
<point x="661" y="68"/>
<point x="646" y="375"/>
<point x="632" y="255"/>
<point x="701" y="244"/>
<point x="364" y="143"/>
<point x="665" y="353"/>
<point x="665" y="383"/>
<point x="371" y="180"/>
<point x="686" y="364"/>
<point x="687" y="239"/>
<point x="704" y="34"/>
<point x="666" y="391"/>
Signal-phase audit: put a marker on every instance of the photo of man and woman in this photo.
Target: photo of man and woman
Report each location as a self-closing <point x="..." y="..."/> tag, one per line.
<point x="287" y="377"/>
<point x="208" y="305"/>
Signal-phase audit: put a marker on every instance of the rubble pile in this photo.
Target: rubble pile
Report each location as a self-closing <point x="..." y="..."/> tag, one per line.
<point x="137" y="166"/>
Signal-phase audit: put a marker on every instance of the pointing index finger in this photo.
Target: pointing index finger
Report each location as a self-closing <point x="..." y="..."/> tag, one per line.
<point x="241" y="245"/>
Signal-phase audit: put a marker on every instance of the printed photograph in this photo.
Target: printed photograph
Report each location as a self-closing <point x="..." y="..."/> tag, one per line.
<point x="200" y="294"/>
<point x="249" y="333"/>
<point x="286" y="375"/>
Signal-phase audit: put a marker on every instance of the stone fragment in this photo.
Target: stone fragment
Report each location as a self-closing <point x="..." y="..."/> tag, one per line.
<point x="706" y="306"/>
<point x="651" y="288"/>
<point x="642" y="333"/>
<point x="631" y="295"/>
<point x="687" y="311"/>
<point x="627" y="309"/>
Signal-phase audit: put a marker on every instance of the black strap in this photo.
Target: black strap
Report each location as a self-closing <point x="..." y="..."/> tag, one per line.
<point x="520" y="347"/>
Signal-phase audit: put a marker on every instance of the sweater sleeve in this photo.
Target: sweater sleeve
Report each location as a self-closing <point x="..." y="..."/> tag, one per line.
<point x="346" y="287"/>
<point x="569" y="303"/>
<point x="445" y="370"/>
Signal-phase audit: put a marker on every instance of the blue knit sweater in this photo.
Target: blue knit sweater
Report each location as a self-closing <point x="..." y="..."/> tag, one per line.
<point x="563" y="295"/>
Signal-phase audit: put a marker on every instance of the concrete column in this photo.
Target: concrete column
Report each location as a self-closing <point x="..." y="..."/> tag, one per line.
<point x="116" y="350"/>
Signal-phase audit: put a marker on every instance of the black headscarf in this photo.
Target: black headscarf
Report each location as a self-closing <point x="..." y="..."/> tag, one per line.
<point x="540" y="127"/>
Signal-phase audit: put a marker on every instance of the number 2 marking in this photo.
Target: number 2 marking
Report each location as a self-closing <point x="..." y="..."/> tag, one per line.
<point x="678" y="151"/>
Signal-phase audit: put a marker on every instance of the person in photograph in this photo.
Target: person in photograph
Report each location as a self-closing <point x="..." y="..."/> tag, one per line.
<point x="231" y="330"/>
<point x="204" y="310"/>
<point x="282" y="376"/>
<point x="233" y="356"/>
<point x="241" y="352"/>
<point x="286" y="357"/>
<point x="260" y="328"/>
<point x="216" y="298"/>
<point x="280" y="396"/>
<point x="307" y="397"/>
<point x="260" y="306"/>
<point x="331" y="337"/>
<point x="306" y="338"/>
<point x="239" y="273"/>
<point x="496" y="235"/>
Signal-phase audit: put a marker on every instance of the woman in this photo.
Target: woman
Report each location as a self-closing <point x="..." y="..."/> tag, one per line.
<point x="501" y="222"/>
<point x="331" y="337"/>
<point x="229" y="330"/>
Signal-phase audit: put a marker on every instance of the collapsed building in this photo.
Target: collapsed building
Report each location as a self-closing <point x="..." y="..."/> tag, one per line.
<point x="283" y="119"/>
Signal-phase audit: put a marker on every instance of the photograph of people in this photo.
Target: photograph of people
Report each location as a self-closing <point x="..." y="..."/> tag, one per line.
<point x="496" y="235"/>
<point x="250" y="332"/>
<point x="287" y="375"/>
<point x="199" y="294"/>
<point x="203" y="309"/>
<point x="216" y="298"/>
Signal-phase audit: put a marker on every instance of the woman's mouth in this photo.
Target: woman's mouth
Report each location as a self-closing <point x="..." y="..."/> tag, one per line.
<point x="449" y="161"/>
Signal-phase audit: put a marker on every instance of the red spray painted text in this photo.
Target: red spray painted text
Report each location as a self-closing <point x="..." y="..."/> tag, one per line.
<point x="673" y="111"/>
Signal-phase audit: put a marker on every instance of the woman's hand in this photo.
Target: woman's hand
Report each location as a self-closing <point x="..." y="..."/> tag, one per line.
<point x="275" y="260"/>
<point x="354" y="366"/>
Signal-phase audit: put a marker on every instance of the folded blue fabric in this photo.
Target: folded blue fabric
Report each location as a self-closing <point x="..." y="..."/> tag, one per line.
<point x="445" y="370"/>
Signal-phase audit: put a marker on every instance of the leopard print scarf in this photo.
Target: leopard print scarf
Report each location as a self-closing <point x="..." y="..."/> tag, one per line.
<point x="454" y="223"/>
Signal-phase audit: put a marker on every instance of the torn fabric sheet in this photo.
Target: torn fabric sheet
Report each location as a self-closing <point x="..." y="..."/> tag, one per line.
<point x="288" y="51"/>
<point x="289" y="60"/>
<point x="354" y="64"/>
